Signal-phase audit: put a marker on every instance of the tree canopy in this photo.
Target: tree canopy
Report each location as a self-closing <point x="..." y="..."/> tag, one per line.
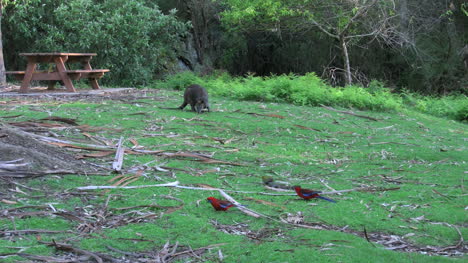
<point x="408" y="44"/>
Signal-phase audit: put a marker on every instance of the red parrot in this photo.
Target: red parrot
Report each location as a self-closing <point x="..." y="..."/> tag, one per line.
<point x="309" y="194"/>
<point x="220" y="205"/>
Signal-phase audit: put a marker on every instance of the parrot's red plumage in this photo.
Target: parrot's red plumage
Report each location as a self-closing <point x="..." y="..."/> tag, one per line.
<point x="309" y="194"/>
<point x="220" y="205"/>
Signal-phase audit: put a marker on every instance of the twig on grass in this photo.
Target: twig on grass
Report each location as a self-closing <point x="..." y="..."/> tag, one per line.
<point x="66" y="247"/>
<point x="439" y="193"/>
<point x="350" y="113"/>
<point x="400" y="143"/>
<point x="367" y="237"/>
<point x="463" y="184"/>
<point x="327" y="186"/>
<point x="460" y="241"/>
<point x="30" y="231"/>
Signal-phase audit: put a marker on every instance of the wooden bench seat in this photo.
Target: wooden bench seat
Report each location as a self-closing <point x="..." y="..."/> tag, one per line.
<point x="73" y="74"/>
<point x="86" y="73"/>
<point x="15" y="72"/>
<point x="19" y="75"/>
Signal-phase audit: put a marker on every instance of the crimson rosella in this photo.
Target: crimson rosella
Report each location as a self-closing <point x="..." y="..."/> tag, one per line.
<point x="309" y="194"/>
<point x="220" y="205"/>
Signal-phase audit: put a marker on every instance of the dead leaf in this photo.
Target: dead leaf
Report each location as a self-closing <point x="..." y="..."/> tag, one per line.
<point x="263" y="202"/>
<point x="94" y="155"/>
<point x="214" y="170"/>
<point x="9" y="202"/>
<point x="306" y="128"/>
<point x="206" y="186"/>
<point x="267" y="115"/>
<point x="218" y="161"/>
<point x="173" y="209"/>
<point x="134" y="142"/>
<point x="115" y="178"/>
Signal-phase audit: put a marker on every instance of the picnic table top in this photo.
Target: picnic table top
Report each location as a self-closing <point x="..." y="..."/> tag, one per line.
<point x="58" y="54"/>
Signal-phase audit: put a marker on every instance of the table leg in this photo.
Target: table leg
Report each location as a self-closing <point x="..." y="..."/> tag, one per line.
<point x="93" y="82"/>
<point x="30" y="68"/>
<point x="51" y="85"/>
<point x="59" y="62"/>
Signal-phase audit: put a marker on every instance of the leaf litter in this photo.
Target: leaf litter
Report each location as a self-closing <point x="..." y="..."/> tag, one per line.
<point x="93" y="219"/>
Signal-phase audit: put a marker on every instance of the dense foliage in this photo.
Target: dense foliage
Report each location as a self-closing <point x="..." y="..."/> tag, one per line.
<point x="418" y="45"/>
<point x="413" y="45"/>
<point x="310" y="90"/>
<point x="136" y="41"/>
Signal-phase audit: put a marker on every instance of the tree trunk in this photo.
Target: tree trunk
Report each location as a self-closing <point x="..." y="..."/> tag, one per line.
<point x="404" y="21"/>
<point x="344" y="49"/>
<point x="196" y="13"/>
<point x="2" y="62"/>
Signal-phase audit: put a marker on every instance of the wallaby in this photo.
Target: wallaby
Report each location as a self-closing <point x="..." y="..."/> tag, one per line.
<point x="197" y="97"/>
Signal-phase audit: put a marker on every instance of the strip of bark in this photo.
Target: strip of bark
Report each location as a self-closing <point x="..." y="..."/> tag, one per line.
<point x="119" y="156"/>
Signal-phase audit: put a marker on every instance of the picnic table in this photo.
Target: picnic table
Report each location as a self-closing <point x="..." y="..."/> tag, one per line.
<point x="58" y="71"/>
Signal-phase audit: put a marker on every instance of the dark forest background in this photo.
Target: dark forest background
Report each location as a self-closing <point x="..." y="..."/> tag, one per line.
<point x="414" y="45"/>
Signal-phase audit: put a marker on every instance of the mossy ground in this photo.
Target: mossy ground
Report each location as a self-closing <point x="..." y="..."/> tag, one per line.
<point x="424" y="156"/>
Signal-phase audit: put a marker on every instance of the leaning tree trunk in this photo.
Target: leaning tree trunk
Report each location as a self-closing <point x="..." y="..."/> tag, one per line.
<point x="344" y="49"/>
<point x="2" y="62"/>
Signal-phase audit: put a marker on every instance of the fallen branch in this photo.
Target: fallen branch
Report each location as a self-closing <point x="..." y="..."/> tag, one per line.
<point x="12" y="165"/>
<point x="30" y="231"/>
<point x="94" y="187"/>
<point x="66" y="247"/>
<point x="24" y="174"/>
<point x="240" y="206"/>
<point x="197" y="249"/>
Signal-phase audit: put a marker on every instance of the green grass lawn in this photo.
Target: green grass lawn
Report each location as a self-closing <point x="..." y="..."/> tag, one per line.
<point x="424" y="156"/>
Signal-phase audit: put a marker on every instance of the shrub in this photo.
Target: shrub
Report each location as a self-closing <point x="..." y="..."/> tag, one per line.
<point x="136" y="41"/>
<point x="312" y="91"/>
<point x="179" y="81"/>
<point x="301" y="90"/>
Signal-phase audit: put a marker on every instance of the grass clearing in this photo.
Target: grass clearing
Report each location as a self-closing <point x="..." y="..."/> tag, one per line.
<point x="424" y="156"/>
